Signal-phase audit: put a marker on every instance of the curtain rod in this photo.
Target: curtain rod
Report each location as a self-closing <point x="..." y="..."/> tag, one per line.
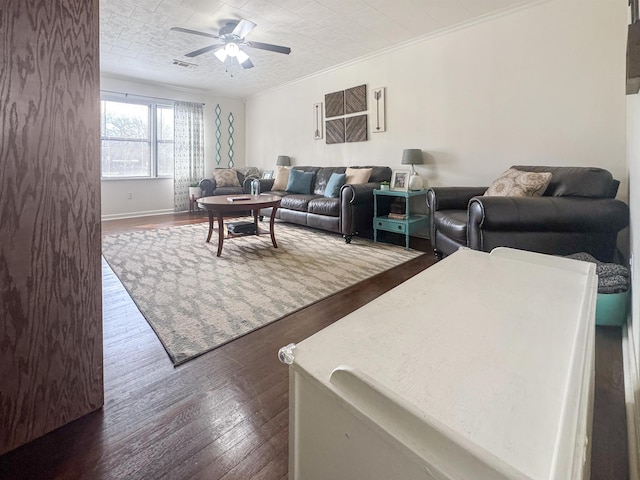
<point x="145" y="96"/>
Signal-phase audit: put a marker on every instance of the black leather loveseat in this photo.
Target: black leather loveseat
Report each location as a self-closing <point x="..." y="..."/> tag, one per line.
<point x="350" y="213"/>
<point x="577" y="212"/>
<point x="227" y="181"/>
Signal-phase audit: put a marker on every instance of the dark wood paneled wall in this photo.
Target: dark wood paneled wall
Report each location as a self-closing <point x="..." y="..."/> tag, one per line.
<point x="50" y="273"/>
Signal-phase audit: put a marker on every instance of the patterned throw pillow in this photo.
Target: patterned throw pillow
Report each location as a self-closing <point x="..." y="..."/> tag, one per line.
<point x="518" y="183"/>
<point x="226" y="177"/>
<point x="358" y="175"/>
<point x="282" y="179"/>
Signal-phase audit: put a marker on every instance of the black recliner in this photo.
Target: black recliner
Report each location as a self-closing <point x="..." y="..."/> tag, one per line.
<point x="577" y="212"/>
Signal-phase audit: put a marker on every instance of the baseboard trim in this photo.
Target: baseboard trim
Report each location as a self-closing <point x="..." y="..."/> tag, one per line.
<point x="632" y="392"/>
<point x="120" y="216"/>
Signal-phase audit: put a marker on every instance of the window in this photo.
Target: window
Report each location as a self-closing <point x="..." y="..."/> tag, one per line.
<point x="164" y="129"/>
<point x="136" y="139"/>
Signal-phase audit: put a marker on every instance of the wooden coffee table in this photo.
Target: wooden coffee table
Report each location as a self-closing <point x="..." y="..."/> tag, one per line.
<point x="217" y="206"/>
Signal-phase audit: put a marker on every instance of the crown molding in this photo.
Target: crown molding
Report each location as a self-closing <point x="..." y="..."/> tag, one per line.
<point x="424" y="38"/>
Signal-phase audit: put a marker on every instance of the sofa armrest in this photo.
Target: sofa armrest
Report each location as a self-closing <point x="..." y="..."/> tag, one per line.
<point x="552" y="214"/>
<point x="208" y="185"/>
<point x="358" y="193"/>
<point x="356" y="208"/>
<point x="451" y="198"/>
<point x="246" y="184"/>
<point x="554" y="225"/>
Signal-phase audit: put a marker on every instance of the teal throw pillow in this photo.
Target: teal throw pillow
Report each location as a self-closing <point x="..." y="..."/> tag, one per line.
<point x="335" y="183"/>
<point x="300" y="182"/>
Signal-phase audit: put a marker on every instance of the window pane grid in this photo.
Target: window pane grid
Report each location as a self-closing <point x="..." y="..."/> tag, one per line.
<point x="137" y="139"/>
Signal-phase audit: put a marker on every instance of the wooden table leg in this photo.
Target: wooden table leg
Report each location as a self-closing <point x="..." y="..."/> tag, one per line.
<point x="255" y="220"/>
<point x="220" y="233"/>
<point x="210" y="225"/>
<point x="273" y="236"/>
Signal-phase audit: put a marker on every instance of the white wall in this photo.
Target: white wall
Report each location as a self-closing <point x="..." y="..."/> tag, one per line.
<point x="542" y="85"/>
<point x="154" y="196"/>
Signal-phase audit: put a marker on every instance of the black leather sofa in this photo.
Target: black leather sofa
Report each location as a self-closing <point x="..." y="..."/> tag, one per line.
<point x="351" y="213"/>
<point x="577" y="212"/>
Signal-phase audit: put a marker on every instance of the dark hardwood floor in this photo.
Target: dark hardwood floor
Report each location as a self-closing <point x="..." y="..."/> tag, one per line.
<point x="224" y="415"/>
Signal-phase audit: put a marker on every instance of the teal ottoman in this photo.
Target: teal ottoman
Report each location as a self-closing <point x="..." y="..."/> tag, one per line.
<point x="613" y="290"/>
<point x="611" y="308"/>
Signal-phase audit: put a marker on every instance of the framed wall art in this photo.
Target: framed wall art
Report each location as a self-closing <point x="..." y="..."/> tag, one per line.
<point x="335" y="130"/>
<point x="377" y="117"/>
<point x="318" y="121"/>
<point x="356" y="128"/>
<point x="334" y="104"/>
<point x="341" y="110"/>
<point x="355" y="99"/>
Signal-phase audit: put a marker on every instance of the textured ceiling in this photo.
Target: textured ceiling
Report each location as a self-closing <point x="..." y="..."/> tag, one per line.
<point x="136" y="40"/>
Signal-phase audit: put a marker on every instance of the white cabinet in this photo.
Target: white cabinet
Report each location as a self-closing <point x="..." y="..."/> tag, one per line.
<point x="480" y="367"/>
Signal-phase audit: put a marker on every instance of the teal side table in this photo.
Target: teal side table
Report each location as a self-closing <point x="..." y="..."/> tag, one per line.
<point x="412" y="222"/>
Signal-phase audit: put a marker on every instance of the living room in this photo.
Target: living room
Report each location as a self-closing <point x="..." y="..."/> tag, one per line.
<point x="482" y="98"/>
<point x="541" y="84"/>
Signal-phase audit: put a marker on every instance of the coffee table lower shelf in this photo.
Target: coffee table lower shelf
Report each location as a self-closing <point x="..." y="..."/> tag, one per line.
<point x="218" y="206"/>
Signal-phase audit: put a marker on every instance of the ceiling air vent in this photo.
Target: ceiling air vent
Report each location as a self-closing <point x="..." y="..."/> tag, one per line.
<point x="181" y="63"/>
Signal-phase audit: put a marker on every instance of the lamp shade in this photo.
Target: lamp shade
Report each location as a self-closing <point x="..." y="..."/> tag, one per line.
<point x="412" y="156"/>
<point x="283" y="160"/>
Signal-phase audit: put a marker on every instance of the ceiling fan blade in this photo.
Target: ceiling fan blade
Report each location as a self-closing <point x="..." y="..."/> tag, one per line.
<point x="268" y="46"/>
<point x="194" y="32"/>
<point x="247" y="64"/>
<point x="203" y="50"/>
<point x="243" y="28"/>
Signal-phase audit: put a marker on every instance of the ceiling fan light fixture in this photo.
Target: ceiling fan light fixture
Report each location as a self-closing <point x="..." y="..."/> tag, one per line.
<point x="221" y="54"/>
<point x="242" y="56"/>
<point x="231" y="49"/>
<point x="231" y="37"/>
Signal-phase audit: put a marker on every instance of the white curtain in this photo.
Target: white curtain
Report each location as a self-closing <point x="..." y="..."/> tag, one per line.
<point x="188" y="151"/>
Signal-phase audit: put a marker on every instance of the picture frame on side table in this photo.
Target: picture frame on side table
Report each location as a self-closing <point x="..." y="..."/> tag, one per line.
<point x="267" y="174"/>
<point x="400" y="180"/>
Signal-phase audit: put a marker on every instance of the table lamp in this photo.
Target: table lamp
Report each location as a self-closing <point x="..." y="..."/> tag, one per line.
<point x="413" y="156"/>
<point x="283" y="160"/>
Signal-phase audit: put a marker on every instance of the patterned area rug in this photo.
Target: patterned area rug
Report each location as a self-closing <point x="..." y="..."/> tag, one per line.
<point x="196" y="301"/>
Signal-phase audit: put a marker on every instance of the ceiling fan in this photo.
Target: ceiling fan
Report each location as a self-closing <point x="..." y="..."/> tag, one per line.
<point x="232" y="36"/>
